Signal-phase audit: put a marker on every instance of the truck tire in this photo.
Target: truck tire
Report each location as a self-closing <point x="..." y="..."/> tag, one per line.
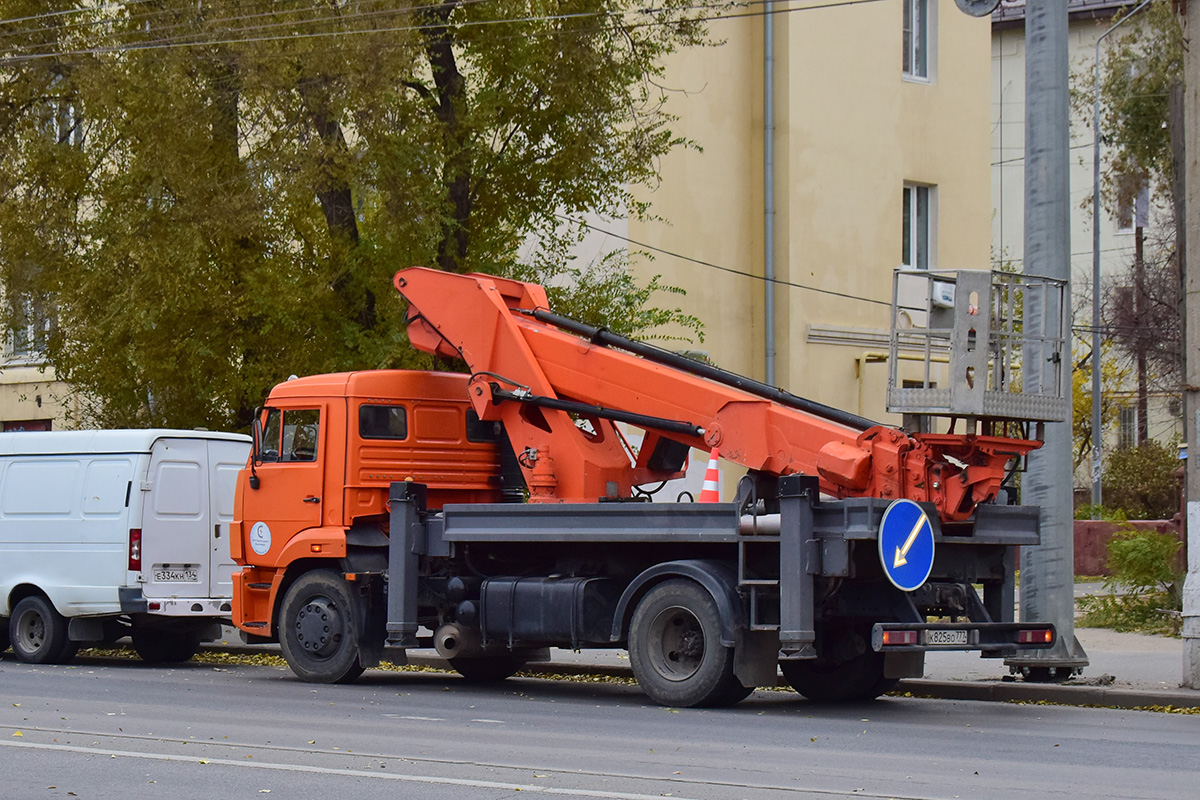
<point x="675" y="648"/>
<point x="157" y="646"/>
<point x="487" y="669"/>
<point x="318" y="629"/>
<point x="858" y="675"/>
<point x="38" y="633"/>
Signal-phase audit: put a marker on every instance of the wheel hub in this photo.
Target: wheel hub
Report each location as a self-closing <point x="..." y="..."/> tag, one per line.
<point x="319" y="626"/>
<point x="31" y="629"/>
<point x="677" y="643"/>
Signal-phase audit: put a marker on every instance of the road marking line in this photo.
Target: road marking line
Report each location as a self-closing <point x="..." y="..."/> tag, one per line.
<point x="352" y="773"/>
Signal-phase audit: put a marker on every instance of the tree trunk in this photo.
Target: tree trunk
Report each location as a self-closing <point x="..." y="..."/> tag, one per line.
<point x="456" y="169"/>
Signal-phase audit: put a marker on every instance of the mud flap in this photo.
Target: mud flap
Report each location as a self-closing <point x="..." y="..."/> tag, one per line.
<point x="904" y="665"/>
<point x="756" y="657"/>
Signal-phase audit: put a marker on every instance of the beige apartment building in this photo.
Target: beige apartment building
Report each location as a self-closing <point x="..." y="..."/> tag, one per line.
<point x="881" y="154"/>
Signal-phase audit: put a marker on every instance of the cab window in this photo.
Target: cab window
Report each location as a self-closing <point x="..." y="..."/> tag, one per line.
<point x="291" y="435"/>
<point x="382" y="422"/>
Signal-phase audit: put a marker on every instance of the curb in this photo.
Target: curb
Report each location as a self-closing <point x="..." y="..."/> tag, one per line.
<point x="988" y="691"/>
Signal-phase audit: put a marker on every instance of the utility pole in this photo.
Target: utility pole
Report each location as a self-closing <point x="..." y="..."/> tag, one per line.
<point x="1190" y="266"/>
<point x="1048" y="570"/>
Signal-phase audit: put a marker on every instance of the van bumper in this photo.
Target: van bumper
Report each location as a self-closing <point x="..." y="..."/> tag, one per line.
<point x="133" y="601"/>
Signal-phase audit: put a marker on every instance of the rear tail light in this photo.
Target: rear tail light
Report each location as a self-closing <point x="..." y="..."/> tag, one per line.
<point x="1038" y="636"/>
<point x="135" y="549"/>
<point x="894" y="638"/>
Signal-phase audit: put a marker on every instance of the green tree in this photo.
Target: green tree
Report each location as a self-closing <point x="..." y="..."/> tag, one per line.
<point x="1141" y="70"/>
<point x="1112" y="376"/>
<point x="211" y="196"/>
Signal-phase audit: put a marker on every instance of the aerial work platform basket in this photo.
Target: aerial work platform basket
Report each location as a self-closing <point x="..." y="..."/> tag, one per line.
<point x="990" y="345"/>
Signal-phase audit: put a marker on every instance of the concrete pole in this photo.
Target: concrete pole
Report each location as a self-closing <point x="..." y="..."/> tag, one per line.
<point x="1191" y="316"/>
<point x="1048" y="570"/>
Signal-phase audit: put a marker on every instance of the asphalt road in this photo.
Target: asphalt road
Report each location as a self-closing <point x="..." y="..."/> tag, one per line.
<point x="120" y="729"/>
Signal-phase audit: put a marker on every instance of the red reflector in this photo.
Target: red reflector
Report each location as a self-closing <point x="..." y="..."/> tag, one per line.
<point x="135" y="549"/>
<point x="899" y="637"/>
<point x="1040" y="636"/>
<point x="155" y="606"/>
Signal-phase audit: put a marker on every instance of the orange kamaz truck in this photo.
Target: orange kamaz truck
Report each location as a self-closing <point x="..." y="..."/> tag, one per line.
<point x="500" y="512"/>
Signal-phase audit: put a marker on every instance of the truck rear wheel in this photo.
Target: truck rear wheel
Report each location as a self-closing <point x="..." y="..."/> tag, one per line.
<point x="856" y="675"/>
<point x="318" y="629"/>
<point x="165" y="647"/>
<point x="675" y="648"/>
<point x="38" y="633"/>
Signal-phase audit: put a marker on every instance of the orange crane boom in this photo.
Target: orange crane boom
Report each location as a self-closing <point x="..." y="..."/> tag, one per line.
<point x="560" y="387"/>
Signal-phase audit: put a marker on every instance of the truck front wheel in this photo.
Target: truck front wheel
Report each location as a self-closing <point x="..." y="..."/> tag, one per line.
<point x="39" y="633"/>
<point x="319" y="629"/>
<point x="675" y="648"/>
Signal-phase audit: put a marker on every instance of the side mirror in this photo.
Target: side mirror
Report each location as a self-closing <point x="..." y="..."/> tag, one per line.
<point x="256" y="448"/>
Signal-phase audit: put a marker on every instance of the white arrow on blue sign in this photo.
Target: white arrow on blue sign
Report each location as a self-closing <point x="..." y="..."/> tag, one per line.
<point x="906" y="545"/>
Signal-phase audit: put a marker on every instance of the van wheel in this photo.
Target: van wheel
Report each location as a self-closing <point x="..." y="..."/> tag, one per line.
<point x="38" y="633"/>
<point x="675" y="648"/>
<point x="165" y="647"/>
<point x="318" y="629"/>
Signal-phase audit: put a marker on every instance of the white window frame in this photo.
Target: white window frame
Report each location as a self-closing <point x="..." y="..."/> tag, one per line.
<point x="26" y="341"/>
<point x="919" y="29"/>
<point x="919" y="226"/>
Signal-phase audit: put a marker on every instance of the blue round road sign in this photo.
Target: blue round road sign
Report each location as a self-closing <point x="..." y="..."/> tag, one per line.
<point x="906" y="545"/>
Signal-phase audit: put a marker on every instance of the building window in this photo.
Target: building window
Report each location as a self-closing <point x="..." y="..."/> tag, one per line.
<point x="1127" y="427"/>
<point x="30" y="325"/>
<point x="918" y="226"/>
<point x="1133" y="203"/>
<point x="916" y="39"/>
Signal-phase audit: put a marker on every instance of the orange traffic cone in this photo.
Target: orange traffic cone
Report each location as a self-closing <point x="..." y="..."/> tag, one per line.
<point x="711" y="493"/>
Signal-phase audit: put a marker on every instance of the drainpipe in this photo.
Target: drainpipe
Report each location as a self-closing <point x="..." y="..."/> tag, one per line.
<point x="769" y="188"/>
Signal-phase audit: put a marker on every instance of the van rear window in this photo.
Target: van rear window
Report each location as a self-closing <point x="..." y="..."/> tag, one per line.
<point x="382" y="422"/>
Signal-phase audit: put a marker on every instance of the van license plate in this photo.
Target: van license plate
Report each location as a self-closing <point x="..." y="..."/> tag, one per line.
<point x="177" y="576"/>
<point x="946" y="637"/>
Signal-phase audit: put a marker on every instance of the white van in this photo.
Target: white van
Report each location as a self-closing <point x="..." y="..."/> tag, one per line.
<point x="111" y="533"/>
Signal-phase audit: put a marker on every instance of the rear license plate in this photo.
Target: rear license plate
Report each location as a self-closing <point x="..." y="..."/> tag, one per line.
<point x="176" y="576"/>
<point x="946" y="637"/>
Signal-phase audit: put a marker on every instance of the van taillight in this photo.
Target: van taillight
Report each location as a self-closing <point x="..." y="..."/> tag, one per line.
<point x="135" y="549"/>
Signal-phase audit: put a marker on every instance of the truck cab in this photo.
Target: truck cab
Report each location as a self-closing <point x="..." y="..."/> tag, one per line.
<point x="326" y="450"/>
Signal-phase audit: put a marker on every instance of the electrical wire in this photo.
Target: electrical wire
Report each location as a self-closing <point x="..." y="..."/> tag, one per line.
<point x="182" y="42"/>
<point x="721" y="268"/>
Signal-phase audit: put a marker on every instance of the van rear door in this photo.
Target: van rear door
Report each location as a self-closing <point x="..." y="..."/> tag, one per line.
<point x="176" y="520"/>
<point x="225" y="460"/>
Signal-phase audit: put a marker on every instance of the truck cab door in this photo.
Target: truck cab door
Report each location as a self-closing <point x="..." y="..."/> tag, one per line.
<point x="291" y="478"/>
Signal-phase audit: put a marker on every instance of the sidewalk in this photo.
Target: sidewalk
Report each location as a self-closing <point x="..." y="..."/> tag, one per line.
<point x="1126" y="670"/>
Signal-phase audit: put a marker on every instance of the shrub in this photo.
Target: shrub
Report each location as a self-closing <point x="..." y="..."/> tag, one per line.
<point x="1144" y="585"/>
<point x="1142" y="482"/>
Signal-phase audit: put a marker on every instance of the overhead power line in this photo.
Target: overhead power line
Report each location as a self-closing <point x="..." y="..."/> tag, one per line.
<point x="341" y="30"/>
<point x="721" y="268"/>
